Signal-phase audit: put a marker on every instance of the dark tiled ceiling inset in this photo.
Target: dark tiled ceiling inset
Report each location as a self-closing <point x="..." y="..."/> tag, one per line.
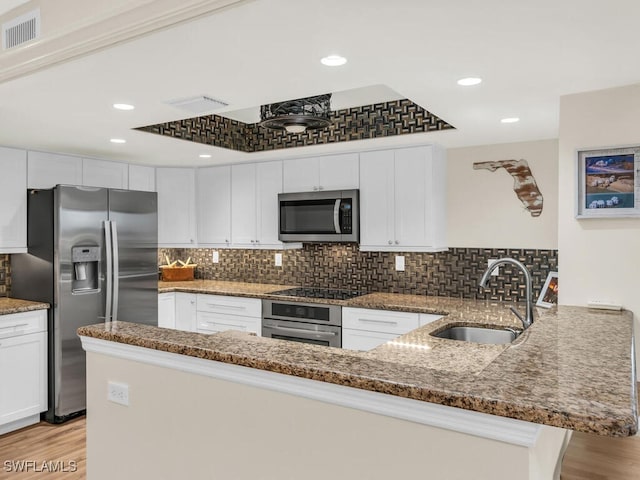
<point x="386" y="119"/>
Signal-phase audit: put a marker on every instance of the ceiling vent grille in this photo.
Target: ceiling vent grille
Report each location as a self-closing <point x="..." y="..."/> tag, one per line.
<point x="199" y="104"/>
<point x="21" y="29"/>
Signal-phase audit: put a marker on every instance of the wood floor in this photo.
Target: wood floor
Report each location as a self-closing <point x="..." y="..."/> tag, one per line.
<point x="35" y="452"/>
<point x="588" y="457"/>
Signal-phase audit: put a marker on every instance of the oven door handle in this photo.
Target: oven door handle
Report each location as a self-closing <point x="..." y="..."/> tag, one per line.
<point x="301" y="330"/>
<point x="336" y="215"/>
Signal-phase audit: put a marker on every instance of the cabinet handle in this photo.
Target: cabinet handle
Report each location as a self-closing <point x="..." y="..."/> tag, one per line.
<point x="390" y="242"/>
<point x="235" y="325"/>
<point x="320" y="187"/>
<point x="315" y="188"/>
<point x="15" y="326"/>
<point x="225" y="306"/>
<point x="397" y="242"/>
<point x="193" y="302"/>
<point x="253" y="241"/>
<point x="369" y="320"/>
<point x="226" y="240"/>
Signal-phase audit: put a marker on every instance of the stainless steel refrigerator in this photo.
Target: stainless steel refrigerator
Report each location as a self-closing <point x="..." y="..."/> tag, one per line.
<point x="92" y="255"/>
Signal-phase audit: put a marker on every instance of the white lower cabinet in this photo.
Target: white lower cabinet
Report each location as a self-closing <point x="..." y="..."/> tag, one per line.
<point x="364" y="329"/>
<point x="23" y="369"/>
<point x="217" y="313"/>
<point x="186" y="311"/>
<point x="167" y="310"/>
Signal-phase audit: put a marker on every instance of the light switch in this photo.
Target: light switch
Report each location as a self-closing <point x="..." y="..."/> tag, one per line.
<point x="216" y="256"/>
<point x="278" y="260"/>
<point x="400" y="263"/>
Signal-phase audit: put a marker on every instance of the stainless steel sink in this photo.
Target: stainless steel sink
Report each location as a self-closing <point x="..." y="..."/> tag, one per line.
<point x="479" y="335"/>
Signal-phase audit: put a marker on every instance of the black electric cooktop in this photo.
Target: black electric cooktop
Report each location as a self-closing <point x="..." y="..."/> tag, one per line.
<point x="310" y="292"/>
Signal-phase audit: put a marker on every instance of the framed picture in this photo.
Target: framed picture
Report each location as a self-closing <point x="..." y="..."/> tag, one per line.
<point x="609" y="183"/>
<point x="549" y="293"/>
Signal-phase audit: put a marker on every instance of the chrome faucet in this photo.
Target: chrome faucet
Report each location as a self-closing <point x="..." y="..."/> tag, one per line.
<point x="527" y="320"/>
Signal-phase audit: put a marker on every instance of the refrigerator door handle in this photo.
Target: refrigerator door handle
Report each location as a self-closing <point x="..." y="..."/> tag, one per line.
<point x="109" y="273"/>
<point x="116" y="269"/>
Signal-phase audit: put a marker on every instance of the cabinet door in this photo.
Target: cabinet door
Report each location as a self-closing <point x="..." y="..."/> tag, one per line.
<point x="166" y="310"/>
<point x="214" y="205"/>
<point x="412" y="218"/>
<point x="176" y="206"/>
<point x="243" y="205"/>
<point x="142" y="178"/>
<point x="99" y="173"/>
<point x="338" y="172"/>
<point x="300" y="175"/>
<point x="13" y="198"/>
<point x="23" y="376"/>
<point x="46" y="170"/>
<point x="377" y="199"/>
<point x="186" y="311"/>
<point x="269" y="185"/>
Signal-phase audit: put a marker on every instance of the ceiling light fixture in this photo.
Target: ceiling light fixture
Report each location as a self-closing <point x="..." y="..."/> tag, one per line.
<point x="204" y="155"/>
<point x="123" y="106"/>
<point x="118" y="140"/>
<point x="510" y="120"/>
<point x="469" y="81"/>
<point x="333" y="61"/>
<point x="296" y="116"/>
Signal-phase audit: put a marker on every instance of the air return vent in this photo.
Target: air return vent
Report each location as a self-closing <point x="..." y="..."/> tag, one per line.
<point x="21" y="29"/>
<point x="199" y="104"/>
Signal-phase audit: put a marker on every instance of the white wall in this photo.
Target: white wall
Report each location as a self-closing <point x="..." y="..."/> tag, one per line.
<point x="482" y="208"/>
<point x="599" y="258"/>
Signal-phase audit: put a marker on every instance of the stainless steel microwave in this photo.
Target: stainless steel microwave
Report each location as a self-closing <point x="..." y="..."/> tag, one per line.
<point x="331" y="216"/>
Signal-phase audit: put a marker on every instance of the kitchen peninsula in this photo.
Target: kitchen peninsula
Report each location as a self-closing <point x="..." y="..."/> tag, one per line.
<point x="241" y="406"/>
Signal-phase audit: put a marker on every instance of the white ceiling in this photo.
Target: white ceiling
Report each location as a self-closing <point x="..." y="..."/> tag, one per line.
<point x="529" y="53"/>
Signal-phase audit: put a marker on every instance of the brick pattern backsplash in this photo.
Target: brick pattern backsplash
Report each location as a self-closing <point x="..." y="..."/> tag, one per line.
<point x="5" y="275"/>
<point x="454" y="273"/>
<point x="399" y="117"/>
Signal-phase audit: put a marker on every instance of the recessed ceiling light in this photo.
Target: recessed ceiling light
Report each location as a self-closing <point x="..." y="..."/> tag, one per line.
<point x="204" y="155"/>
<point x="118" y="140"/>
<point x="123" y="106"/>
<point x="469" y="81"/>
<point x="333" y="60"/>
<point x="510" y="120"/>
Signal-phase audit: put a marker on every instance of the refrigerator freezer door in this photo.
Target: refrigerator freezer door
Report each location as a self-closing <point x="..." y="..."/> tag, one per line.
<point x="79" y="213"/>
<point x="135" y="217"/>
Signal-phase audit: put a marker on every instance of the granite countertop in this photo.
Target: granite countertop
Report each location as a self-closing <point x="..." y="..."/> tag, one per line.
<point x="573" y="368"/>
<point x="14" y="305"/>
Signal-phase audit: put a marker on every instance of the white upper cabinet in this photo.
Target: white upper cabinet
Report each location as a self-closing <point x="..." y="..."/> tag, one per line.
<point x="100" y="173"/>
<point x="254" y="204"/>
<point x="213" y="185"/>
<point x="13" y="198"/>
<point x="330" y="172"/>
<point x="142" y="178"/>
<point x="46" y="170"/>
<point x="402" y="199"/>
<point x="176" y="207"/>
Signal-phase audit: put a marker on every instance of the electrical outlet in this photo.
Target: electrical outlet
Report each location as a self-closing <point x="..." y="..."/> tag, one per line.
<point x="118" y="393"/>
<point x="278" y="260"/>
<point x="399" y="263"/>
<point x="216" y="256"/>
<point x="490" y="262"/>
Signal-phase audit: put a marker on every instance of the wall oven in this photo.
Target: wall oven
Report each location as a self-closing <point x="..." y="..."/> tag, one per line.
<point x="314" y="323"/>
<point x="331" y="216"/>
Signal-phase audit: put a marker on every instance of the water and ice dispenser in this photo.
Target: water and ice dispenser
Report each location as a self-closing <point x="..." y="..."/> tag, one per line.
<point x="86" y="269"/>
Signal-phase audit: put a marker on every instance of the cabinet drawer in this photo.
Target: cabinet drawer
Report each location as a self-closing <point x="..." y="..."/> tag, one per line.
<point x="383" y="321"/>
<point x="249" y="307"/>
<point x="362" y="340"/>
<point x="16" y="324"/>
<point x="215" y="322"/>
<point x="428" y="318"/>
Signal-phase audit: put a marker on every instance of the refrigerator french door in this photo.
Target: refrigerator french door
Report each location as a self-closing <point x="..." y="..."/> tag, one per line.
<point x="92" y="255"/>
